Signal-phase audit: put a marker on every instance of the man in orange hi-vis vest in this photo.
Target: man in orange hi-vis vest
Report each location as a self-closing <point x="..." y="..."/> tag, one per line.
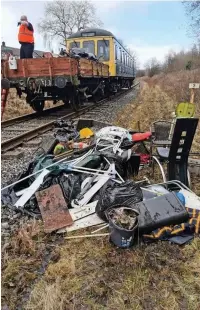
<point x="26" y="38"/>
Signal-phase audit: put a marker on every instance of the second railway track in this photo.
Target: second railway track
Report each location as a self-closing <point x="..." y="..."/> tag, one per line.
<point x="18" y="129"/>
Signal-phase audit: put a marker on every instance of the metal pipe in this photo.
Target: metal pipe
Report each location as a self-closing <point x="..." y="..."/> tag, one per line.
<point x="161" y="168"/>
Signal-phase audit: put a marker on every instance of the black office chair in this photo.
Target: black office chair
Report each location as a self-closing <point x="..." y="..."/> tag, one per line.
<point x="177" y="154"/>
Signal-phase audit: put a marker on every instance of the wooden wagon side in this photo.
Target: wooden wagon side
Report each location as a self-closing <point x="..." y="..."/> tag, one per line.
<point x="40" y="67"/>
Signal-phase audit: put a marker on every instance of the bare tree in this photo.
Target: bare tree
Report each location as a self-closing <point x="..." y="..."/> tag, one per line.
<point x="193" y="11"/>
<point x="62" y="18"/>
<point x="140" y="72"/>
<point x="152" y="67"/>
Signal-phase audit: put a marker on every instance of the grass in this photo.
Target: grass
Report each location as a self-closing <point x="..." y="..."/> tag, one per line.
<point x="93" y="274"/>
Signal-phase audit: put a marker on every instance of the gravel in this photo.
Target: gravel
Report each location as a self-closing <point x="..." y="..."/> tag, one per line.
<point x="10" y="169"/>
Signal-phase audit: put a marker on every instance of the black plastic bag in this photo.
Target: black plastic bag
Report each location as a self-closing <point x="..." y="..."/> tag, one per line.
<point x="71" y="186"/>
<point x="113" y="193"/>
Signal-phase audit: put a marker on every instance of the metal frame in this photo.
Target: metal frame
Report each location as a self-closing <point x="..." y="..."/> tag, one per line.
<point x="155" y="159"/>
<point x="153" y="139"/>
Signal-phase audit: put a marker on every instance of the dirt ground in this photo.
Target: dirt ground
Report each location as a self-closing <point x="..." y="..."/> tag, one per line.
<point x="44" y="272"/>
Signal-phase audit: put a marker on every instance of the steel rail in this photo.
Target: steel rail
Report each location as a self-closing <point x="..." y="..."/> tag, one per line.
<point x="31" y="116"/>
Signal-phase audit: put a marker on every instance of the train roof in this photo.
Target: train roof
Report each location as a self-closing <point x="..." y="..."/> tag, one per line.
<point x="95" y="31"/>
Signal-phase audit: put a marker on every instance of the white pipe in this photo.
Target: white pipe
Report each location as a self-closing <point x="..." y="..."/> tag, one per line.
<point x="87" y="236"/>
<point x="93" y="173"/>
<point x="101" y="228"/>
<point x="161" y="168"/>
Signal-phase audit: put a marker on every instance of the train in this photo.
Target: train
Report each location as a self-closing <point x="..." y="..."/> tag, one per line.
<point x="94" y="65"/>
<point x="110" y="51"/>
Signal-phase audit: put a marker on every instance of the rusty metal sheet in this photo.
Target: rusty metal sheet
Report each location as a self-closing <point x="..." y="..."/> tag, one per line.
<point x="53" y="208"/>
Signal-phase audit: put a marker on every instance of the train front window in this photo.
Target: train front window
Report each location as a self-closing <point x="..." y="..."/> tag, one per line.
<point x="89" y="46"/>
<point x="103" y="49"/>
<point x="75" y="44"/>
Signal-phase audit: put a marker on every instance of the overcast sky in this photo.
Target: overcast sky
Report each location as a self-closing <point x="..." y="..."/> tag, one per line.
<point x="149" y="28"/>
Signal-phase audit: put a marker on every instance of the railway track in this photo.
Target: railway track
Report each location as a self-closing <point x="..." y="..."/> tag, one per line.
<point x="19" y="125"/>
<point x="31" y="116"/>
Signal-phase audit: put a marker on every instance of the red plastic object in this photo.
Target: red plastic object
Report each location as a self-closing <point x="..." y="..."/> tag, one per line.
<point x="141" y="136"/>
<point x="144" y="159"/>
<point x="4" y="95"/>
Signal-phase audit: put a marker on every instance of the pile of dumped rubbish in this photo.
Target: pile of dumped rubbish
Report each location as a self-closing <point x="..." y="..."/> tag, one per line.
<point x="86" y="179"/>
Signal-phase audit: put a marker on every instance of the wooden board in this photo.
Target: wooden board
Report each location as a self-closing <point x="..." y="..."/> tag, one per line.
<point x="85" y="66"/>
<point x="53" y="208"/>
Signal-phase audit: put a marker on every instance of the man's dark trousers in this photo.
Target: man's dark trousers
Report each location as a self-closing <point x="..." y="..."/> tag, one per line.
<point x="26" y="50"/>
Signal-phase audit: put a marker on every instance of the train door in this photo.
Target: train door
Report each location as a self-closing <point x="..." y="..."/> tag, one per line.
<point x="105" y="52"/>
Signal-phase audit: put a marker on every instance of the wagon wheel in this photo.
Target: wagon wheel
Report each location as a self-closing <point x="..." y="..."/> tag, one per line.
<point x="38" y="105"/>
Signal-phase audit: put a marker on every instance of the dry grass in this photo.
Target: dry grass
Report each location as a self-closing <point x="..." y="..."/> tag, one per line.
<point x="16" y="106"/>
<point x="176" y="85"/>
<point x="95" y="275"/>
<point x="21" y="260"/>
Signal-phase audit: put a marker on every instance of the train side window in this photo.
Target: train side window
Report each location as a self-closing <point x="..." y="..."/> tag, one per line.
<point x="124" y="56"/>
<point x="103" y="49"/>
<point x="116" y="50"/>
<point x="75" y="44"/>
<point x="89" y="46"/>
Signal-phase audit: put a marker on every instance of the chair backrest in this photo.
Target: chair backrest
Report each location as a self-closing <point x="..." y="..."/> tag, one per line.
<point x="183" y="136"/>
<point x="161" y="130"/>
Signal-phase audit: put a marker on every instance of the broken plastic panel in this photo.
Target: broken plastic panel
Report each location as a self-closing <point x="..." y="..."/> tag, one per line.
<point x="31" y="189"/>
